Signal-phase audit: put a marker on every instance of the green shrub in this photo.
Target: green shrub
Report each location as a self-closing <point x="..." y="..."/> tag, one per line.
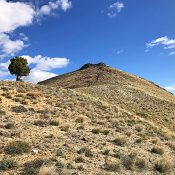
<point x="79" y="159"/>
<point x="59" y="152"/>
<point x="18" y="147"/>
<point x="9" y="126"/>
<point x="128" y="162"/>
<point x="33" y="167"/>
<point x="59" y="166"/>
<point x="40" y="123"/>
<point x="140" y="163"/>
<point x="86" y="151"/>
<point x="106" y="152"/>
<point x="80" y="120"/>
<point x="2" y="112"/>
<point x="105" y="132"/>
<point x="18" y="109"/>
<point x="7" y="164"/>
<point x="80" y="167"/>
<point x="69" y="166"/>
<point x="96" y="131"/>
<point x="53" y="122"/>
<point x="65" y="128"/>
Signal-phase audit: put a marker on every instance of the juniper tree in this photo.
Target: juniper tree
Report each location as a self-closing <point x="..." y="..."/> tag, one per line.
<point x="19" y="67"/>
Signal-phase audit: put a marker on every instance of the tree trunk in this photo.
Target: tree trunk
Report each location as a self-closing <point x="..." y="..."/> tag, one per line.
<point x="17" y="78"/>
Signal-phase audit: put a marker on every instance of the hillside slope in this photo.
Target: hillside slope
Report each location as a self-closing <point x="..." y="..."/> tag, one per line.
<point x="129" y="92"/>
<point x="51" y="131"/>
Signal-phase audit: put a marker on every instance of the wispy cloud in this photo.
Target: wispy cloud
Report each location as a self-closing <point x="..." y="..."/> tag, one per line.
<point x="166" y="42"/>
<point x="114" y="9"/>
<point x="120" y="51"/>
<point x="51" y="6"/>
<point x="171" y="53"/>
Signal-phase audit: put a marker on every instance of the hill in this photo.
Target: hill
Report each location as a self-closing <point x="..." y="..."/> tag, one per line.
<point x="87" y="130"/>
<point x="129" y="92"/>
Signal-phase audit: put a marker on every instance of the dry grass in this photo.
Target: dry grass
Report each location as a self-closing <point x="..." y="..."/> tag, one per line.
<point x="157" y="150"/>
<point x="77" y="133"/>
<point x="163" y="165"/>
<point x="112" y="165"/>
<point x="120" y="140"/>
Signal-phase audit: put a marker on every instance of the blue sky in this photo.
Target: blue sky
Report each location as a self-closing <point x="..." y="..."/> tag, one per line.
<point x="134" y="36"/>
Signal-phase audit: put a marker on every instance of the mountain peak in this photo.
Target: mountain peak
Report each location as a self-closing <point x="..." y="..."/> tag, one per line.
<point x="88" y="65"/>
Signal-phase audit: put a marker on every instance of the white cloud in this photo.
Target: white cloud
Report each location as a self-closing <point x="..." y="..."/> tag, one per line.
<point x="115" y="8"/>
<point x="9" y="46"/>
<point x="4" y="69"/>
<point x="38" y="75"/>
<point x="51" y="6"/>
<point x="118" y="6"/>
<point x="165" y="41"/>
<point x="41" y="67"/>
<point x="19" y="14"/>
<point x="14" y="15"/>
<point x="47" y="63"/>
<point x="171" y="53"/>
<point x="65" y="4"/>
<point x="3" y="73"/>
<point x="171" y="88"/>
<point x="23" y="37"/>
<point x="4" y="66"/>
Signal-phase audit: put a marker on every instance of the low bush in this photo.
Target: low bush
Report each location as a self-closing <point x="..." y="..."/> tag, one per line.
<point x="87" y="152"/>
<point x="157" y="150"/>
<point x="17" y="147"/>
<point x="140" y="163"/>
<point x="80" y="120"/>
<point x="96" y="131"/>
<point x="33" y="167"/>
<point x="120" y="140"/>
<point x="79" y="159"/>
<point x="162" y="165"/>
<point x="128" y="162"/>
<point x="112" y="166"/>
<point x="53" y="122"/>
<point x="40" y="123"/>
<point x="2" y="112"/>
<point x="7" y="164"/>
<point x="18" y="109"/>
<point x="9" y="126"/>
<point x="59" y="166"/>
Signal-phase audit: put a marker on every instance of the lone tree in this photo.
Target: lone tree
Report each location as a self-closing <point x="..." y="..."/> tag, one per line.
<point x="19" y="67"/>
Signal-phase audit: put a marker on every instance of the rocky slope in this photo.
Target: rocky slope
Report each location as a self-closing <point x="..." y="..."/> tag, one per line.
<point x="129" y="92"/>
<point x="47" y="130"/>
